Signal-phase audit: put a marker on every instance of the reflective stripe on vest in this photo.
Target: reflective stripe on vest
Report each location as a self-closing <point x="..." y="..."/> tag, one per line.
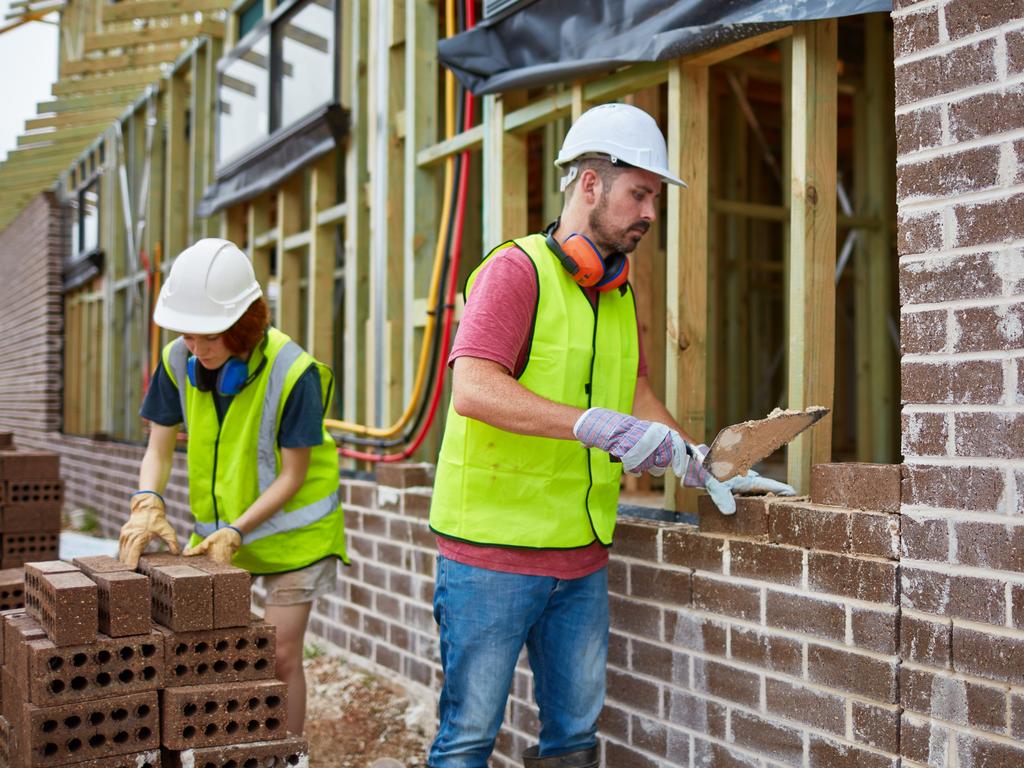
<point x="281" y="521"/>
<point x="178" y="360"/>
<point x="265" y="450"/>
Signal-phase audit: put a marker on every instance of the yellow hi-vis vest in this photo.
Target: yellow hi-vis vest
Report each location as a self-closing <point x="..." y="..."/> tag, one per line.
<point x="506" y="489"/>
<point x="231" y="463"/>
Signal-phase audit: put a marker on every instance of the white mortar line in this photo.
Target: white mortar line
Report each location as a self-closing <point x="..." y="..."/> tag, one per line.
<point x="966" y="250"/>
<point x="985" y="462"/>
<point x="914" y="9"/>
<point x="978" y="303"/>
<point x="969" y="571"/>
<point x="993" y="87"/>
<point x="994" y="518"/>
<point x="962" y="200"/>
<point x="913" y="409"/>
<point x="950" y="148"/>
<point x="997" y="355"/>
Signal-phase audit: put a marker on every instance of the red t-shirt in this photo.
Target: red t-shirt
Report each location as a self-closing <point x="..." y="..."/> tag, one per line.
<point x="496" y="326"/>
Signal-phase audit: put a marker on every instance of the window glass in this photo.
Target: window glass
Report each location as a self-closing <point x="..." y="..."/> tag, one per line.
<point x="89" y="210"/>
<point x="307" y="60"/>
<point x="244" y="102"/>
<point x="76" y="226"/>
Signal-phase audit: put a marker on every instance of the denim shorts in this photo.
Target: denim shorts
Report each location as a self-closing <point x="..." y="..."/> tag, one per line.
<point x="302" y="586"/>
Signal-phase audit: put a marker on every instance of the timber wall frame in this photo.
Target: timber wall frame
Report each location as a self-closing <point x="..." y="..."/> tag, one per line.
<point x="375" y="201"/>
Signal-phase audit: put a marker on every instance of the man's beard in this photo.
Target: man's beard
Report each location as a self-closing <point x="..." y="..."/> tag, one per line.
<point x="613" y="240"/>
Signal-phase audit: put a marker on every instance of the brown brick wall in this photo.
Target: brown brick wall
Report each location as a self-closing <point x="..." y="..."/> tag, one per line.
<point x="959" y="121"/>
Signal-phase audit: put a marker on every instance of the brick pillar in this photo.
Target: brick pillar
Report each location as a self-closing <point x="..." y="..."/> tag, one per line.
<point x="959" y="114"/>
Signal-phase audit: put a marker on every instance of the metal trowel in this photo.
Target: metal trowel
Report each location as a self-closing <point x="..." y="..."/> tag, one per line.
<point x="741" y="446"/>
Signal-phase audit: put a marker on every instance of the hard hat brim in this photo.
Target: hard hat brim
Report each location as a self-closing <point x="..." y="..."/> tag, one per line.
<point x="182" y="322"/>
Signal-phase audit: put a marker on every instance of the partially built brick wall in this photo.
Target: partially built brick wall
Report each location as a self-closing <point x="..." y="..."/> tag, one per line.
<point x="960" y="134"/>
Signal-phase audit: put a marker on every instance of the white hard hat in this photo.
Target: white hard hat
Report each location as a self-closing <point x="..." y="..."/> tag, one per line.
<point x="211" y="285"/>
<point x="623" y="133"/>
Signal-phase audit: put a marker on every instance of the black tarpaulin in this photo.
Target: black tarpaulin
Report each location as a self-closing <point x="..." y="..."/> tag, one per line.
<point x="547" y="41"/>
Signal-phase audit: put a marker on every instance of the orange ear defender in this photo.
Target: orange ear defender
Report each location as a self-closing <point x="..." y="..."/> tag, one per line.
<point x="582" y="259"/>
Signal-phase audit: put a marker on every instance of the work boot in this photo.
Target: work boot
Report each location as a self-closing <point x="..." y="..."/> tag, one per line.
<point x="584" y="758"/>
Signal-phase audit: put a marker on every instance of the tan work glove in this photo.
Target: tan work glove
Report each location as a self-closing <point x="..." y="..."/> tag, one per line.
<point x="220" y="545"/>
<point x="147" y="519"/>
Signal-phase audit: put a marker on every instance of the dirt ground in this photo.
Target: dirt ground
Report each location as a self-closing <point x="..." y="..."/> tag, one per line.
<point x="354" y="717"/>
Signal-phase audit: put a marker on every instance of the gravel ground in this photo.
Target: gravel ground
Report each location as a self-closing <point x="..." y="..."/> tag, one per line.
<point x="354" y="717"/>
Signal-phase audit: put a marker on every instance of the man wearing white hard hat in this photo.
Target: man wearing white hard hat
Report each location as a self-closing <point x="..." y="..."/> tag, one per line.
<point x="550" y="403"/>
<point x="262" y="469"/>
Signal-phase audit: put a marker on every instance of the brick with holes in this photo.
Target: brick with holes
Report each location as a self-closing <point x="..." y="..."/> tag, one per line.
<point x="65" y="603"/>
<point x="16" y="549"/>
<point x="23" y="497"/>
<point x="282" y="753"/>
<point x="182" y="597"/>
<point x="231" y="592"/>
<point x="96" y="730"/>
<point x="221" y="655"/>
<point x="124" y="608"/>
<point x="12" y="590"/>
<point x="227" y="713"/>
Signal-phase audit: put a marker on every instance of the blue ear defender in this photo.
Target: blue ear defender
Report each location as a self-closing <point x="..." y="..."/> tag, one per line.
<point x="229" y="380"/>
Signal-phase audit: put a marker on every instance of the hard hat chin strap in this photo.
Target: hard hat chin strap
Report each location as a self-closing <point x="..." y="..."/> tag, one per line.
<point x="569" y="177"/>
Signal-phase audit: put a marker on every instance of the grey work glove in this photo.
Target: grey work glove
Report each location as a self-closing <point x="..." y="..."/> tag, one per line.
<point x="721" y="492"/>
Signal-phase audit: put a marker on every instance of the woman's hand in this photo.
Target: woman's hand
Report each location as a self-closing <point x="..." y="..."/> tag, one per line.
<point x="146" y="521"/>
<point x="220" y="545"/>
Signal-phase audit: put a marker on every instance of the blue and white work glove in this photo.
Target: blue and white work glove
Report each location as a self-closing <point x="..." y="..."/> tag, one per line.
<point x="721" y="492"/>
<point x="641" y="446"/>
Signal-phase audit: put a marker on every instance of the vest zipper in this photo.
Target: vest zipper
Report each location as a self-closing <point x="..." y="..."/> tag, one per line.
<point x="590" y="399"/>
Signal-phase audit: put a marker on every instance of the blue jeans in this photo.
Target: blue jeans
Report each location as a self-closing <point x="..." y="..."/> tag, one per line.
<point x="485" y="619"/>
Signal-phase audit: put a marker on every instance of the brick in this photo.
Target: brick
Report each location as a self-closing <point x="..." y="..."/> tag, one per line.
<point x="949" y="175"/>
<point x="659" y="584"/>
<point x="805" y="525"/>
<point x="919" y="740"/>
<point x="979" y="752"/>
<point x="1017" y="600"/>
<point x="974" y="382"/>
<point x="766" y="562"/>
<point x="807" y="615"/>
<point x="157" y="559"/>
<point x="915" y="32"/>
<point x="48" y="674"/>
<point x="865" y="676"/>
<point x="981" y="329"/>
<point x="826" y="753"/>
<point x="92" y="730"/>
<point x="695" y="712"/>
<point x="22" y="497"/>
<point x="925" y="538"/>
<point x="707" y="754"/>
<point x="994" y="657"/>
<point x="918" y="129"/>
<point x="737" y="600"/>
<point x="1017" y="716"/>
<point x="989" y="222"/>
<point x="123" y="603"/>
<point x="965" y="17"/>
<point x="986" y="114"/>
<point x="767" y="739"/>
<point x="634" y="617"/>
<point x="65" y="604"/>
<point x="637" y="538"/>
<point x="635" y="692"/>
<point x="874" y="630"/>
<point x="962" y="597"/>
<point x="99" y="564"/>
<point x="970" y="488"/>
<point x="29" y="518"/>
<point x="616" y="754"/>
<point x="923" y="641"/>
<point x="822" y="710"/>
<point x="405" y="475"/>
<point x="727" y="682"/>
<point x="6" y="440"/>
<point x="20" y="548"/>
<point x="231" y="592"/>
<point x="292" y="750"/>
<point x="924" y="434"/>
<point x="857" y="485"/>
<point x="227" y="655"/>
<point x="766" y="651"/>
<point x="690" y="549"/>
<point x="990" y="545"/>
<point x="953" y="700"/>
<point x="182" y="597"/>
<point x="950" y="278"/>
<point x="923" y="332"/>
<point x="875" y="534"/>
<point x="29" y="465"/>
<point x="876" y="726"/>
<point x="871" y="580"/>
<point x="648" y="736"/>
<point x="213" y="715"/>
<point x="963" y="67"/>
<point x="12" y="590"/>
<point x="650" y="659"/>
<point x="919" y="234"/>
<point x="147" y="759"/>
<point x="750" y="518"/>
<point x="684" y="629"/>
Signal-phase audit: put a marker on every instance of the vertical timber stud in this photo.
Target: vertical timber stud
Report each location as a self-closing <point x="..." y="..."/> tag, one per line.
<point x="320" y="269"/>
<point x="504" y="175"/>
<point x="686" y="262"/>
<point x="176" y="198"/>
<point x="397" y="278"/>
<point x="289" y="268"/>
<point x="421" y="130"/>
<point x="257" y="222"/>
<point x="812" y="219"/>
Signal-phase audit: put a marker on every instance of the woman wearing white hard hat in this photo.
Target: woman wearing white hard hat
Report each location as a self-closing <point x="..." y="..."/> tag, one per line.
<point x="263" y="471"/>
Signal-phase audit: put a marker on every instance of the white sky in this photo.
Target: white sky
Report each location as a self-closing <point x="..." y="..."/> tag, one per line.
<point x="28" y="63"/>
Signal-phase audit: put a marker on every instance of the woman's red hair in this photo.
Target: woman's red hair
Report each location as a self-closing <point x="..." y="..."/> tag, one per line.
<point x="247" y="332"/>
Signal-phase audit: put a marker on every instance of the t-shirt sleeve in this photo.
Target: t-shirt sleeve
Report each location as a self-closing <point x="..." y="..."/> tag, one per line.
<point x="302" y="420"/>
<point x="499" y="313"/>
<point x="162" y="404"/>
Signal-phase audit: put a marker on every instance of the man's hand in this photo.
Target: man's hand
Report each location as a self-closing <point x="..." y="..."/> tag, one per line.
<point x="641" y="446"/>
<point x="220" y="545"/>
<point x="146" y="521"/>
<point x="722" y="492"/>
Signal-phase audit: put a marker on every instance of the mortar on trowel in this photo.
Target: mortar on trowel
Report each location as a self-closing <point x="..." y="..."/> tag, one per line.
<point x="741" y="446"/>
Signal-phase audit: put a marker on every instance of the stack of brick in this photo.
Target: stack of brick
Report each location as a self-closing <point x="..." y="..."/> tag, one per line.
<point x="109" y="667"/>
<point x="771" y="634"/>
<point x="31" y="496"/>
